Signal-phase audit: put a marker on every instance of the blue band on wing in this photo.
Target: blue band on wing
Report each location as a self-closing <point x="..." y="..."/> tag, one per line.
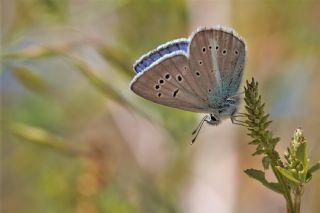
<point x="155" y="55"/>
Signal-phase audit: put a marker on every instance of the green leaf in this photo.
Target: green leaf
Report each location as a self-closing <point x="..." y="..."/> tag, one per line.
<point x="258" y="152"/>
<point x="302" y="156"/>
<point x="266" y="162"/>
<point x="314" y="168"/>
<point x="260" y="146"/>
<point x="260" y="176"/>
<point x="287" y="174"/>
<point x="275" y="140"/>
<point x="255" y="142"/>
<point x="264" y="118"/>
<point x="308" y="177"/>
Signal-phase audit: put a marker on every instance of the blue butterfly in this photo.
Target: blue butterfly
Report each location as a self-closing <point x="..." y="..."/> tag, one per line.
<point x="201" y="73"/>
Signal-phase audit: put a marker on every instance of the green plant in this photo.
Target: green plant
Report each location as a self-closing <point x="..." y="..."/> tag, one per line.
<point x="291" y="174"/>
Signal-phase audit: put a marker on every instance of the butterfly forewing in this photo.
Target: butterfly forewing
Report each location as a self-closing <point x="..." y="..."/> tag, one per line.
<point x="148" y="59"/>
<point x="169" y="82"/>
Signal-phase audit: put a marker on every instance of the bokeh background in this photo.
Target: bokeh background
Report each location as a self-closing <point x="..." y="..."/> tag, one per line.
<point x="76" y="139"/>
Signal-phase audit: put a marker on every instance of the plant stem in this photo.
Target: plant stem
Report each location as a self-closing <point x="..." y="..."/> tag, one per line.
<point x="282" y="182"/>
<point x="297" y="200"/>
<point x="286" y="191"/>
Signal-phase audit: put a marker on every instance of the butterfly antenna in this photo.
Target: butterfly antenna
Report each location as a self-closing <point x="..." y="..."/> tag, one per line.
<point x="197" y="130"/>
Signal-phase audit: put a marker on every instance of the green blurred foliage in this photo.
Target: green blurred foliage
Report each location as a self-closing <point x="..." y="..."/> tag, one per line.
<point x="66" y="66"/>
<point x="49" y="165"/>
<point x="153" y="22"/>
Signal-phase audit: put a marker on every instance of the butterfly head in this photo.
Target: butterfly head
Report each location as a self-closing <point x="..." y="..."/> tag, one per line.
<point x="214" y="120"/>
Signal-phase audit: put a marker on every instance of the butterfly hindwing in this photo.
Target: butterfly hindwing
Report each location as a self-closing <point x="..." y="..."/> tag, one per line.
<point x="200" y="62"/>
<point x="218" y="54"/>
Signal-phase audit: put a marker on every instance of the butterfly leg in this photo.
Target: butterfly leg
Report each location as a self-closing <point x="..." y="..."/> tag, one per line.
<point x="240" y="115"/>
<point x="235" y="118"/>
<point x="197" y="130"/>
<point x="238" y="122"/>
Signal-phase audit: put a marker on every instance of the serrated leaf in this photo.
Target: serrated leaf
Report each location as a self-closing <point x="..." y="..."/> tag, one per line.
<point x="287" y="174"/>
<point x="260" y="176"/>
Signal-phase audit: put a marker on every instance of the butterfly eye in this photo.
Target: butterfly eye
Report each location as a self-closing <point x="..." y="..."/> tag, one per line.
<point x="157" y="86"/>
<point x="200" y="62"/>
<point x="203" y="49"/>
<point x="167" y="76"/>
<point x="197" y="73"/>
<point x="236" y="52"/>
<point x="185" y="68"/>
<point x="213" y="118"/>
<point x="217" y="47"/>
<point x="179" y="78"/>
<point x="159" y="94"/>
<point x="210" y="47"/>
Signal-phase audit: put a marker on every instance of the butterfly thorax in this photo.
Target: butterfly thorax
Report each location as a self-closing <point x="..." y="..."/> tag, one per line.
<point x="222" y="106"/>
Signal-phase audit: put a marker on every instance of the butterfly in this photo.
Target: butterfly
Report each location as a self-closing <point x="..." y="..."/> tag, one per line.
<point x="201" y="73"/>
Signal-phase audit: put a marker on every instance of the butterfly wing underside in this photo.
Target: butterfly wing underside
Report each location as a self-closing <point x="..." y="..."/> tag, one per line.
<point x="196" y="74"/>
<point x="169" y="82"/>
<point x="218" y="56"/>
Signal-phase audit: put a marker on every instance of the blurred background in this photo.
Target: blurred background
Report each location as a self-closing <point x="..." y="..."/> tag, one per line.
<point x="76" y="139"/>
